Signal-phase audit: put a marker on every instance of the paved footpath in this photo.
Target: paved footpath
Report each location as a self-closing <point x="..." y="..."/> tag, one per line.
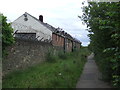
<point x="90" y="77"/>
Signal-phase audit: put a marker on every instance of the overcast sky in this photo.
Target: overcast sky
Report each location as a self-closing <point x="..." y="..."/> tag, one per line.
<point x="58" y="13"/>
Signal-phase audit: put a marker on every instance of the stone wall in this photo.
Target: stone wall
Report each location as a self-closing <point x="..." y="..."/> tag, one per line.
<point x="26" y="53"/>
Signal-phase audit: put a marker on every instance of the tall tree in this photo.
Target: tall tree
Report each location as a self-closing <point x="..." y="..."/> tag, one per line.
<point x="103" y="22"/>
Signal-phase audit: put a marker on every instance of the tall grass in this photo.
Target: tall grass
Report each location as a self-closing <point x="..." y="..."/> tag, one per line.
<point x="63" y="72"/>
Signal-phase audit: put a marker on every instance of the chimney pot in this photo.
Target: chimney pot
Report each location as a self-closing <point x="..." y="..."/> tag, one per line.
<point x="41" y="18"/>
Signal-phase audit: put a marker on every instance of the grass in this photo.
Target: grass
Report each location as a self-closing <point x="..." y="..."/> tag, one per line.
<point x="61" y="73"/>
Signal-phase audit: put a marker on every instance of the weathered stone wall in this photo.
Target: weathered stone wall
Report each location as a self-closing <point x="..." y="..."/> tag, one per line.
<point x="26" y="53"/>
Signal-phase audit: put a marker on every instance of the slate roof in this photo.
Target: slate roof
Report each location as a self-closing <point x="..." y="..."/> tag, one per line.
<point x="50" y="27"/>
<point x="55" y="30"/>
<point x="45" y="24"/>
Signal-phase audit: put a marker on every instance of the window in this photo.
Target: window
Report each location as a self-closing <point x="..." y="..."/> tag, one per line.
<point x="25" y="15"/>
<point x="25" y="19"/>
<point x="31" y="36"/>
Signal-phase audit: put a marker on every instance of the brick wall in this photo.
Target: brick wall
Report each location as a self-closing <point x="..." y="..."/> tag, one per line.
<point x="78" y="45"/>
<point x="57" y="40"/>
<point x="69" y="45"/>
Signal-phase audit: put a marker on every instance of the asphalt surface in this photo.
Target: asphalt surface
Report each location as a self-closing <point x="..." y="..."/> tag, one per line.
<point x="91" y="77"/>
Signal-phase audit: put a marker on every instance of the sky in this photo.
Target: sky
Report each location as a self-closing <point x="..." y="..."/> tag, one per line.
<point x="58" y="13"/>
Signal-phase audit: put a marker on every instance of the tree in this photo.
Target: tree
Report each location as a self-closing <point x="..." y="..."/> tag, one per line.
<point x="103" y="20"/>
<point x="7" y="37"/>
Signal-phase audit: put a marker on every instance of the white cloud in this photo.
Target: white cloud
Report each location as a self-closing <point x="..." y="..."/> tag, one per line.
<point x="59" y="13"/>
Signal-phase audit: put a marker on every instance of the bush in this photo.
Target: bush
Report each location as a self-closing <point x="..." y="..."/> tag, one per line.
<point x="50" y="57"/>
<point x="7" y="37"/>
<point x="104" y="28"/>
<point x="62" y="55"/>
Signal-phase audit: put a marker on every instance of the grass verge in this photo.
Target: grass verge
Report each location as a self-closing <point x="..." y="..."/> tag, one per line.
<point x="62" y="73"/>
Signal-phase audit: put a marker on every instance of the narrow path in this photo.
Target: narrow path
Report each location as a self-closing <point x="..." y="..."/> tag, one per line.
<point x="90" y="77"/>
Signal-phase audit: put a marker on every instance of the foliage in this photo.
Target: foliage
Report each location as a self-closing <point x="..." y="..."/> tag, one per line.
<point x="103" y="22"/>
<point x="7" y="37"/>
<point x="50" y="57"/>
<point x="59" y="74"/>
<point x="62" y="55"/>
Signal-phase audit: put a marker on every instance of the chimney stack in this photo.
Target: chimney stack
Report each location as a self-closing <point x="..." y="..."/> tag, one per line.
<point x="41" y="18"/>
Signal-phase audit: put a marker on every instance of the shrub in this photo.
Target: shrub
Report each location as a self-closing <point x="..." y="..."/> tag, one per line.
<point x="6" y="31"/>
<point x="50" y="57"/>
<point x="62" y="55"/>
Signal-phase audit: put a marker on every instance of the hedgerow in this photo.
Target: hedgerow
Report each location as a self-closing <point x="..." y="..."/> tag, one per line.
<point x="102" y="19"/>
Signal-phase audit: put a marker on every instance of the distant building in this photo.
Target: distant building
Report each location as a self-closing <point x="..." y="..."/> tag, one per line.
<point x="30" y="28"/>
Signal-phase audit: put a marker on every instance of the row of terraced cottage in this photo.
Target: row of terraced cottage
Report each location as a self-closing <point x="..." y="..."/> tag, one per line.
<point x="30" y="28"/>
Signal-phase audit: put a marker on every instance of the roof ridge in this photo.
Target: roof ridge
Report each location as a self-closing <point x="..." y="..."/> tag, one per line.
<point x="52" y="28"/>
<point x="45" y="24"/>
